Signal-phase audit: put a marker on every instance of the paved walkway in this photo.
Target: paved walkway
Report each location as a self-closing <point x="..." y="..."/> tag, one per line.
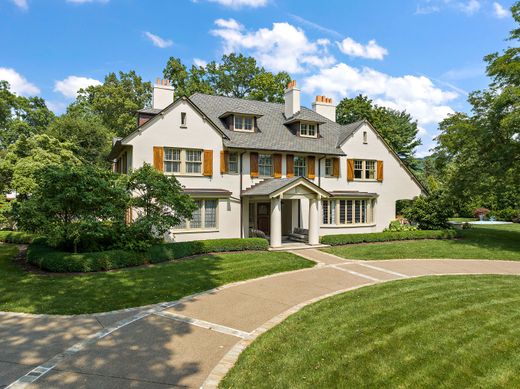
<point x="194" y="341"/>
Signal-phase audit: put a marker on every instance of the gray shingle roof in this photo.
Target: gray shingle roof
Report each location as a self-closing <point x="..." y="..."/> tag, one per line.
<point x="152" y="111"/>
<point x="268" y="186"/>
<point x="306" y="115"/>
<point x="272" y="133"/>
<point x="347" y="130"/>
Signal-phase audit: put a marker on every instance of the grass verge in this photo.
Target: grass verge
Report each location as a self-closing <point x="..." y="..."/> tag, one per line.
<point x="480" y="242"/>
<point x="450" y="332"/>
<point x="22" y="291"/>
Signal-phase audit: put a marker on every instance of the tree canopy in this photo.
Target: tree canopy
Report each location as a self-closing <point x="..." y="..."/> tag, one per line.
<point x="398" y="128"/>
<point x="477" y="159"/>
<point x="235" y="76"/>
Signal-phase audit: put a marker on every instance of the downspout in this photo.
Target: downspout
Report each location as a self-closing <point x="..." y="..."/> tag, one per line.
<point x="240" y="194"/>
<point x="319" y="170"/>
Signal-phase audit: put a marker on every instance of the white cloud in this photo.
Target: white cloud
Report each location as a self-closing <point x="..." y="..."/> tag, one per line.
<point x="22" y="4"/>
<point x="18" y="83"/>
<point x="500" y="12"/>
<point x="241" y="3"/>
<point x="70" y="86"/>
<point x="284" y="47"/>
<point x="316" y="26"/>
<point x="469" y="7"/>
<point x="199" y="62"/>
<point x="416" y="94"/>
<point x="371" y="51"/>
<point x="158" y="41"/>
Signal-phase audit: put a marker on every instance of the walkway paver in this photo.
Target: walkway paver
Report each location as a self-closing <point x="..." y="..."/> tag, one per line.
<point x="192" y="342"/>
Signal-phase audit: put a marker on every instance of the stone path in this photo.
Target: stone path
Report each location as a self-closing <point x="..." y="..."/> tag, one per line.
<point x="194" y="341"/>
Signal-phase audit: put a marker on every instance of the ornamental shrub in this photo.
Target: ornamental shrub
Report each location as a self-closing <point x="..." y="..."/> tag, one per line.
<point x="335" y="240"/>
<point x="429" y="212"/>
<point x="477" y="212"/>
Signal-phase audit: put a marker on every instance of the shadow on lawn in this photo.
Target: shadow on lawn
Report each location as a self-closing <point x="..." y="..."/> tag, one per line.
<point x="493" y="238"/>
<point x="151" y="351"/>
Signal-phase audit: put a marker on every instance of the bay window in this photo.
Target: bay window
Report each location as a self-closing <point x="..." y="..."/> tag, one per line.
<point x="347" y="211"/>
<point x="204" y="217"/>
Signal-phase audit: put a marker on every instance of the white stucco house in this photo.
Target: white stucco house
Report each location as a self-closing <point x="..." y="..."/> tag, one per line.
<point x="277" y="168"/>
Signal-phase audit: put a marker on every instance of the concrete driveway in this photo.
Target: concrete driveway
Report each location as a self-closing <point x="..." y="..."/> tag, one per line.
<point x="192" y="342"/>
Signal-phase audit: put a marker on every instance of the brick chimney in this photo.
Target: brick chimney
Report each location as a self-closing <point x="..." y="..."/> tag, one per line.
<point x="163" y="94"/>
<point x="323" y="105"/>
<point x="292" y="99"/>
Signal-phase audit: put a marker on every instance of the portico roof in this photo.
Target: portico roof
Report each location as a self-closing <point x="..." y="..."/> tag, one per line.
<point x="273" y="187"/>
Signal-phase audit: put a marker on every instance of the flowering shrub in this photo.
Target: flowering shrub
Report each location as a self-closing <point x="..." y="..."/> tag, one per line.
<point x="478" y="212"/>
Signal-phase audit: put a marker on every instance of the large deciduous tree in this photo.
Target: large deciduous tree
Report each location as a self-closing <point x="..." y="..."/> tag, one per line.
<point x="21" y="116"/>
<point x="397" y="127"/>
<point x="234" y="76"/>
<point x="116" y="101"/>
<point x="478" y="155"/>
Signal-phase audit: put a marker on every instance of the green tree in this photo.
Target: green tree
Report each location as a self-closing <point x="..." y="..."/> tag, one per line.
<point x="397" y="127"/>
<point x="26" y="156"/>
<point x="234" y="76"/>
<point x="116" y="101"/>
<point x="478" y="154"/>
<point x="160" y="203"/>
<point x="21" y="116"/>
<point x="75" y="207"/>
<point x="86" y="132"/>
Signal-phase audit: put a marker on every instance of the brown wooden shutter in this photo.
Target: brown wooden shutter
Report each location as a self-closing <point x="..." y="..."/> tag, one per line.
<point x="277" y="165"/>
<point x="350" y="170"/>
<point x="208" y="163"/>
<point x="158" y="158"/>
<point x="253" y="166"/>
<point x="224" y="157"/>
<point x="311" y="167"/>
<point x="380" y="171"/>
<point x="289" y="160"/>
<point x="335" y="167"/>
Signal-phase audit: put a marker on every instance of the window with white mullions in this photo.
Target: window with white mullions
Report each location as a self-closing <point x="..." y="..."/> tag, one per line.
<point x="344" y="212"/>
<point x="300" y="166"/>
<point x="172" y="160"/>
<point x="244" y="123"/>
<point x="193" y="161"/>
<point x="204" y="217"/>
<point x="307" y="129"/>
<point x="328" y="167"/>
<point x="233" y="163"/>
<point x="364" y="169"/>
<point x="265" y="165"/>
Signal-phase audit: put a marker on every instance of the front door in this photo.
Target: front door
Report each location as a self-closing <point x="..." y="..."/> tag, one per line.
<point x="263" y="217"/>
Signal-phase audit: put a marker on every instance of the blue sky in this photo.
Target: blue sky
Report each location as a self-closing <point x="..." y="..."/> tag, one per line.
<point x="419" y="55"/>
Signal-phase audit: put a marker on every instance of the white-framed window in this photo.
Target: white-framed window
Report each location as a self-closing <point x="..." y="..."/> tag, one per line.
<point x="182" y="161"/>
<point x="244" y="123"/>
<point x="300" y="166"/>
<point x="307" y="129"/>
<point x="233" y="163"/>
<point x="172" y="160"/>
<point x="265" y="165"/>
<point x="329" y="169"/>
<point x="347" y="211"/>
<point x="204" y="217"/>
<point x="364" y="169"/>
<point x="183" y="119"/>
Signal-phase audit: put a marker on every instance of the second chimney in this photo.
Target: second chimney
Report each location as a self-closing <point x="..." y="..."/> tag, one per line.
<point x="292" y="100"/>
<point x="163" y="94"/>
<point x="323" y="105"/>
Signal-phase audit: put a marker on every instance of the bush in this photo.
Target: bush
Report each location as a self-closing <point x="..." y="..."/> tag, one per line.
<point x="336" y="240"/>
<point x="17" y="237"/>
<point x="480" y="212"/>
<point x="47" y="258"/>
<point x="400" y="225"/>
<point x="507" y="214"/>
<point x="429" y="213"/>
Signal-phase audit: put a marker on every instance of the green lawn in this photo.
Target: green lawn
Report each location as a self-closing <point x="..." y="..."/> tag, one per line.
<point x="479" y="242"/>
<point x="21" y="291"/>
<point x="433" y="332"/>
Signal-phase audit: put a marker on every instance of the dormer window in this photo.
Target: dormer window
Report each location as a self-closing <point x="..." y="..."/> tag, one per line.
<point x="244" y="123"/>
<point x="308" y="130"/>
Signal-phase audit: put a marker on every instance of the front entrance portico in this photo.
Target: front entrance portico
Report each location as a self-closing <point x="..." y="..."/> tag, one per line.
<point x="287" y="197"/>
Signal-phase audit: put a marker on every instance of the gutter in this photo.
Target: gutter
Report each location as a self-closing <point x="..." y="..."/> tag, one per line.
<point x="240" y="194"/>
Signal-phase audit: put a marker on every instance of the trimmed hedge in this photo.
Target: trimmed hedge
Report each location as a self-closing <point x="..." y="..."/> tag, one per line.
<point x="17" y="237"/>
<point x="336" y="240"/>
<point x="52" y="260"/>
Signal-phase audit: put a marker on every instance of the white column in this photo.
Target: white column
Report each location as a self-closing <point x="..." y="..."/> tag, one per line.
<point x="314" y="222"/>
<point x="276" y="222"/>
<point x="245" y="217"/>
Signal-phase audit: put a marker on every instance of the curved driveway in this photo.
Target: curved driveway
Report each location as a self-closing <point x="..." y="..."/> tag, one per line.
<point x="194" y="341"/>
